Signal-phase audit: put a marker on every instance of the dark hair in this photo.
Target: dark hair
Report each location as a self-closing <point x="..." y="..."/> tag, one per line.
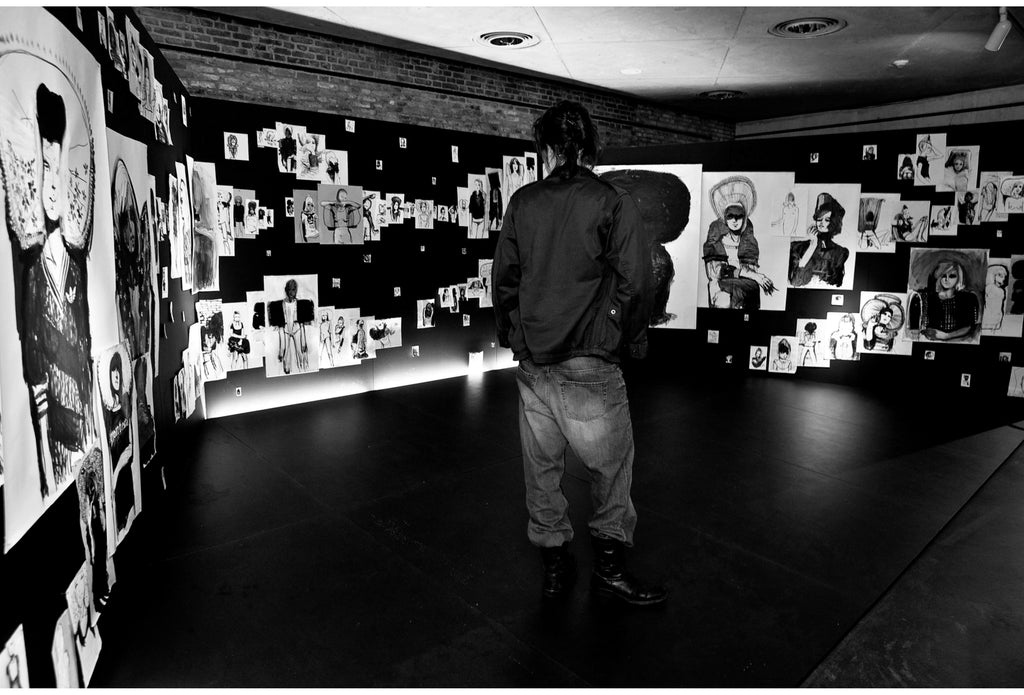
<point x="115" y="363"/>
<point x="568" y="130"/>
<point x="50" y="114"/>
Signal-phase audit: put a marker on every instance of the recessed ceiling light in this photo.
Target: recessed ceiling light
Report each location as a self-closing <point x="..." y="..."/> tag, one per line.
<point x="900" y="63"/>
<point x="722" y="94"/>
<point x="507" y="39"/>
<point x="807" y="28"/>
<point x="631" y="71"/>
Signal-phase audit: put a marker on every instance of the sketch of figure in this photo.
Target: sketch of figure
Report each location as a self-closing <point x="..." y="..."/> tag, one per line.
<point x="146" y="430"/>
<point x="946" y="288"/>
<point x="731" y="252"/>
<point x="333" y="173"/>
<point x="117" y="393"/>
<point x="359" y="341"/>
<point x="905" y="172"/>
<point x="287" y="149"/>
<point x="1012" y="190"/>
<point x="478" y="208"/>
<point x="496" y="211"/>
<point x="942" y="222"/>
<point x="425" y="313"/>
<point x="13" y="673"/>
<point x="212" y="336"/>
<point x="424" y="214"/>
<point x="809" y="343"/>
<point x="783" y="361"/>
<point x="957" y="173"/>
<point x="47" y="162"/>
<point x="988" y="201"/>
<point x="966" y="208"/>
<point x="205" y="258"/>
<point x="340" y="332"/>
<point x="928" y="153"/>
<point x="513" y="176"/>
<point x="311" y="153"/>
<point x="789" y="219"/>
<point x="341" y="215"/>
<point x="238" y="343"/>
<point x="306" y="221"/>
<point x="395" y="203"/>
<point x="371" y="232"/>
<point x="996" y="281"/>
<point x="230" y="146"/>
<point x="386" y="333"/>
<point x="758" y="358"/>
<point x="92" y="507"/>
<point x="292" y="318"/>
<point x="842" y="344"/>
<point x="882" y="317"/>
<point x="225" y="231"/>
<point x="83" y="619"/>
<point x="132" y="263"/>
<point x="326" y="338"/>
<point x="906" y="226"/>
<point x="820" y="258"/>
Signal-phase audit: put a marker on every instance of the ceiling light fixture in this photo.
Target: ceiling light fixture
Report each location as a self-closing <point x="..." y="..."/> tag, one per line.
<point x="722" y="94"/>
<point x="999" y="32"/>
<point x="807" y="28"/>
<point x="507" y="39"/>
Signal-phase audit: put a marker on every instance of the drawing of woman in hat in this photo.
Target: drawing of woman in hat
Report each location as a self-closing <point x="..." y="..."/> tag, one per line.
<point x="731" y="253"/>
<point x="820" y="258"/>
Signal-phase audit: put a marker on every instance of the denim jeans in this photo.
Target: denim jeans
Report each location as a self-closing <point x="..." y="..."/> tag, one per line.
<point x="580" y="403"/>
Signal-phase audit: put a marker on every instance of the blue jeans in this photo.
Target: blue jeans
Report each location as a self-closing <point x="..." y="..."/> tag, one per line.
<point x="580" y="403"/>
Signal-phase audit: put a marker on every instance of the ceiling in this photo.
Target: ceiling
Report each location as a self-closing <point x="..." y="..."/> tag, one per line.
<point x="684" y="51"/>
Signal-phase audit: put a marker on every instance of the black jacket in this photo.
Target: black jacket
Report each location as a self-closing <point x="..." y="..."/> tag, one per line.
<point x="572" y="271"/>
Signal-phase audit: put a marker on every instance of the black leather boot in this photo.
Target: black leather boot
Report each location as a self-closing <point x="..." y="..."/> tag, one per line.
<point x="611" y="580"/>
<point x="559" y="570"/>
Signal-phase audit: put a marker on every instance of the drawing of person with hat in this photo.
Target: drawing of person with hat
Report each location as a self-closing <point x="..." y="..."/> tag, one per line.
<point x="820" y="258"/>
<point x="731" y="253"/>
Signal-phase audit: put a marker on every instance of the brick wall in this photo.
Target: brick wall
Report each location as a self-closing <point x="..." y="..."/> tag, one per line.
<point x="238" y="60"/>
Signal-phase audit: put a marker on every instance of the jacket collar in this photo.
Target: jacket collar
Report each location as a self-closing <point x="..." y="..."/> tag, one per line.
<point x="561" y="172"/>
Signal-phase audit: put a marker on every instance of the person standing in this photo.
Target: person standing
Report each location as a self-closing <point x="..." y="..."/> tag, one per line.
<point x="572" y="292"/>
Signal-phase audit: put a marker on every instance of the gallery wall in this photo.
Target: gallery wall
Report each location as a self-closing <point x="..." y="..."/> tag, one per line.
<point x="92" y="121"/>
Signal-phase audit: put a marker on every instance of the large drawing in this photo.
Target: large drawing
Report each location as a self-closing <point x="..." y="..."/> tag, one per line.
<point x="116" y="386"/>
<point x="206" y="221"/>
<point x="291" y="341"/>
<point x="825" y="257"/>
<point x="947" y="293"/>
<point x="57" y="268"/>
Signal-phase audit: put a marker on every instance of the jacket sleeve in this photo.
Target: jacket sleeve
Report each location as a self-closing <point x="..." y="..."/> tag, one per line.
<point x="629" y="254"/>
<point x="505" y="276"/>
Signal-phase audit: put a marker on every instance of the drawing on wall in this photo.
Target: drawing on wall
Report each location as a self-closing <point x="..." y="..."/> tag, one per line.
<point x="967" y="207"/>
<point x="385" y="333"/>
<point x="346" y="338"/>
<point x="758" y="357"/>
<point x="483" y="271"/>
<point x="340" y="214"/>
<point x="424" y="214"/>
<point x="238" y="334"/>
<point x="1011" y="195"/>
<point x="326" y="336"/>
<point x="989" y="196"/>
<point x="960" y="170"/>
<point x="396" y="203"/>
<point x="1000" y="316"/>
<point x="946" y="289"/>
<point x="943" y="221"/>
<point x="875" y="222"/>
<point x="290" y="344"/>
<point x="780" y="354"/>
<point x="883" y="316"/>
<point x="478" y="206"/>
<point x="905" y="167"/>
<point x="931" y="154"/>
<point x="843" y="332"/>
<point x="14" y="661"/>
<point x="214" y="360"/>
<point x="827" y="258"/>
<point x="462" y="207"/>
<point x="869" y="153"/>
<point x="441" y="213"/>
<point x="288" y="147"/>
<point x="513" y="175"/>
<point x="236" y="146"/>
<point x="312" y="147"/>
<point x="225" y="220"/>
<point x="789" y="218"/>
<point x="671" y="214"/>
<point x="743" y="269"/>
<point x="206" y="244"/>
<point x="63" y="653"/>
<point x="811" y="346"/>
<point x="307" y="217"/>
<point x="53" y="158"/>
<point x="83" y="622"/>
<point x="116" y="383"/>
<point x="94" y="516"/>
<point x="143" y="409"/>
<point x="240" y="221"/>
<point x="335" y="168"/>
<point x="371" y="228"/>
<point x="185" y="225"/>
<point x="425" y="313"/>
<point x="256" y="315"/>
<point x="913" y="221"/>
<point x="496" y="203"/>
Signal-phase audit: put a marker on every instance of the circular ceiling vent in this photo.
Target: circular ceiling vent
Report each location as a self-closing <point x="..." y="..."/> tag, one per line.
<point x="722" y="94"/>
<point x="807" y="28"/>
<point x="507" y="39"/>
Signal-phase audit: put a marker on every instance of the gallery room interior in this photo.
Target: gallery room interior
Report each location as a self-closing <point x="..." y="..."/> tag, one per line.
<point x="236" y="453"/>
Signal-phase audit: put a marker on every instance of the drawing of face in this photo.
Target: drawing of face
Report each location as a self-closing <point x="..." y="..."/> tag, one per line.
<point x="757" y="354"/>
<point x="115" y="379"/>
<point x="823" y="222"/>
<point x="423" y="207"/>
<point x="884" y="317"/>
<point x="232" y="145"/>
<point x="959" y="162"/>
<point x="949" y="278"/>
<point x="1017" y="190"/>
<point x="210" y="340"/>
<point x="236" y="319"/>
<point x="735" y="216"/>
<point x="252" y="208"/>
<point x="51" y="179"/>
<point x="307" y="206"/>
<point x="479" y="185"/>
<point x="342" y="196"/>
<point x="291" y="288"/>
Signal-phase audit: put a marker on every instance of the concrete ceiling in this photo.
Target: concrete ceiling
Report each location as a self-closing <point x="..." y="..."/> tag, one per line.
<point x="683" y="51"/>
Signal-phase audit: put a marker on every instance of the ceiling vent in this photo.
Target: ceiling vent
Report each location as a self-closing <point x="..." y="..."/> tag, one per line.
<point x="507" y="39"/>
<point x="722" y="94"/>
<point x="807" y="28"/>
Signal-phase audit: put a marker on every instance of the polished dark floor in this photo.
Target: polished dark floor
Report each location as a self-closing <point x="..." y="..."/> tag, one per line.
<point x="809" y="533"/>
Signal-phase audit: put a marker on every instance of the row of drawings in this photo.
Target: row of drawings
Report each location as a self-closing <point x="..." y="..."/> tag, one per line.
<point x="761" y="233"/>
